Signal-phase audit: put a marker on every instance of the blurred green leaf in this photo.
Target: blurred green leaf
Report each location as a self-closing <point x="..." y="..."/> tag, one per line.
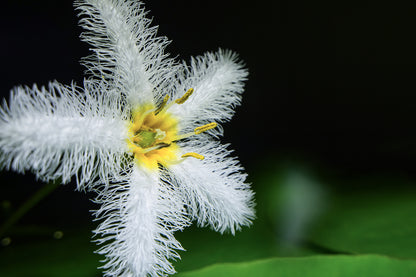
<point x="205" y="247"/>
<point x="314" y="266"/>
<point x="360" y="221"/>
<point x="259" y="241"/>
<point x="377" y="221"/>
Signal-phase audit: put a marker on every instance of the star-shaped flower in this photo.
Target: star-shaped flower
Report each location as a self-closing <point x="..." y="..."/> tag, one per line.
<point x="141" y="133"/>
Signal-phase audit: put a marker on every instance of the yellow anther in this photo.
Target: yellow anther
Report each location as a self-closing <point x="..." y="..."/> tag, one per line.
<point x="162" y="106"/>
<point x="197" y="131"/>
<point x="185" y="96"/>
<point x="205" y="127"/>
<point x="193" y="155"/>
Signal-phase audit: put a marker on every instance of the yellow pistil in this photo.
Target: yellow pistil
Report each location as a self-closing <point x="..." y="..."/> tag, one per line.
<point x="193" y="155"/>
<point x="185" y="96"/>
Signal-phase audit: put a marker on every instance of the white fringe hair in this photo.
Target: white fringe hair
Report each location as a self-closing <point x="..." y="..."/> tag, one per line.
<point x="54" y="132"/>
<point x="61" y="132"/>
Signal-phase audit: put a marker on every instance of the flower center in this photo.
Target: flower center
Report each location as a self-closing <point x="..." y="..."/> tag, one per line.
<point x="154" y="131"/>
<point x="151" y="137"/>
<point x="145" y="138"/>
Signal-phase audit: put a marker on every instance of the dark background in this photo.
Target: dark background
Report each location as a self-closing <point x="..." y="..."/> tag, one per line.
<point x="331" y="82"/>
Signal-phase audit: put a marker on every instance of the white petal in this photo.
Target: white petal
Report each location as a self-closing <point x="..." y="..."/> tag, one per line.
<point x="127" y="50"/>
<point x="215" y="188"/>
<point x="60" y="133"/>
<point x="217" y="79"/>
<point x="139" y="220"/>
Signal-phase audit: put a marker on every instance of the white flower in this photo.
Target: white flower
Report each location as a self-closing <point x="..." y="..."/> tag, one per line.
<point x="141" y="133"/>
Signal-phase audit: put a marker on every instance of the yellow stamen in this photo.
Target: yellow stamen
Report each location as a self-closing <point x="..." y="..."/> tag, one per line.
<point x="185" y="96"/>
<point x="197" y="131"/>
<point x="205" y="127"/>
<point x="162" y="106"/>
<point x="193" y="155"/>
<point x="184" y="136"/>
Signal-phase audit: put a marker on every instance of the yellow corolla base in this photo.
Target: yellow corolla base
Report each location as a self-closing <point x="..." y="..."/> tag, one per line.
<point x="152" y="135"/>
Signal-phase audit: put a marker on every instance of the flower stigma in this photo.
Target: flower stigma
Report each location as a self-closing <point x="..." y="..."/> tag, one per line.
<point x="153" y="133"/>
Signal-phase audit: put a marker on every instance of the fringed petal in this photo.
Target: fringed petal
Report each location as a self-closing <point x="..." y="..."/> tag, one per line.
<point x="218" y="82"/>
<point x="60" y="133"/>
<point x="126" y="49"/>
<point x="140" y="218"/>
<point x="214" y="188"/>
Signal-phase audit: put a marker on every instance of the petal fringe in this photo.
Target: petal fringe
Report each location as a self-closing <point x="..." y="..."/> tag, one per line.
<point x="140" y="218"/>
<point x="215" y="190"/>
<point x="126" y="49"/>
<point x="218" y="82"/>
<point x="61" y="133"/>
